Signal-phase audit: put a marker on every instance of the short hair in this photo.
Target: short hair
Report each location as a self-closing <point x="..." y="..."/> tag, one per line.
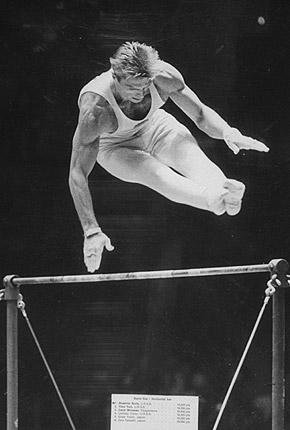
<point x="134" y="59"/>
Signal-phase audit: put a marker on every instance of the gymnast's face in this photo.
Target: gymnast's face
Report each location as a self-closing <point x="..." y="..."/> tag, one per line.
<point x="132" y="89"/>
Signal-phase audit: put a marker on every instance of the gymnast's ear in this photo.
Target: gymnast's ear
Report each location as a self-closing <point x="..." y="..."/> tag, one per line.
<point x="115" y="68"/>
<point x="113" y="63"/>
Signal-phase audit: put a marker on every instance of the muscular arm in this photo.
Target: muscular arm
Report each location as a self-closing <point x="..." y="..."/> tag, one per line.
<point x="204" y="117"/>
<point x="93" y="121"/>
<point x="83" y="158"/>
<point x="171" y="81"/>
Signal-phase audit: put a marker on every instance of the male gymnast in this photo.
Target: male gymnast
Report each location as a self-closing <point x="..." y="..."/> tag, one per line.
<point x="122" y="127"/>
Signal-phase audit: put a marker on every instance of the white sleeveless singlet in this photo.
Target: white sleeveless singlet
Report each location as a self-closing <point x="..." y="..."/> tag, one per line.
<point x="127" y="128"/>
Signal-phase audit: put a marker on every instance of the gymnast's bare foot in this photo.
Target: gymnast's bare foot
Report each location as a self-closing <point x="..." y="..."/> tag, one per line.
<point x="233" y="199"/>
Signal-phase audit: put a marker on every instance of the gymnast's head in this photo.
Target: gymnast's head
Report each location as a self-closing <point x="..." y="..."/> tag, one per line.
<point x="134" y="60"/>
<point x="133" y="67"/>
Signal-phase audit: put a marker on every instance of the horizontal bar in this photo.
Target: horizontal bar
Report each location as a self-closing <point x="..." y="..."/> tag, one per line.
<point x="158" y="274"/>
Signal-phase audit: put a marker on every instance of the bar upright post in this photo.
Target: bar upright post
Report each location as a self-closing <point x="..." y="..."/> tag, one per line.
<point x="279" y="268"/>
<point x="278" y="363"/>
<point x="11" y="296"/>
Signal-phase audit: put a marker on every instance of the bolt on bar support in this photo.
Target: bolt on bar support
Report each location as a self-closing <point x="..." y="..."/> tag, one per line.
<point x="13" y="282"/>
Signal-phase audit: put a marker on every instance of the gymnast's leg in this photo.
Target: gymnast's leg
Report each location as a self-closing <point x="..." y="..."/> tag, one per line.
<point x="134" y="165"/>
<point x="183" y="154"/>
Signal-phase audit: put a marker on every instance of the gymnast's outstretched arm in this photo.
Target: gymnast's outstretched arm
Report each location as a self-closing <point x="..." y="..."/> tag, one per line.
<point x="171" y="81"/>
<point x="83" y="158"/>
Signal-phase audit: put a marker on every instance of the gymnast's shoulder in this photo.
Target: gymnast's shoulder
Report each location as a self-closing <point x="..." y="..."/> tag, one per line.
<point x="167" y="78"/>
<point x="95" y="110"/>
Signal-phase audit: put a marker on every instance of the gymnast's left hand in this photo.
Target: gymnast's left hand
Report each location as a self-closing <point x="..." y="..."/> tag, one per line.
<point x="236" y="141"/>
<point x="93" y="250"/>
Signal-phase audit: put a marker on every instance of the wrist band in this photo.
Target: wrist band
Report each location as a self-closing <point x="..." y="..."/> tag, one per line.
<point x="92" y="231"/>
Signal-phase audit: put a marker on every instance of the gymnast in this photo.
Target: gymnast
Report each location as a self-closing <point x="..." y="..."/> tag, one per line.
<point x="122" y="127"/>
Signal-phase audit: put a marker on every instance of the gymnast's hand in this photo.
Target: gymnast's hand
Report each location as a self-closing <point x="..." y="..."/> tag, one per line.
<point x="93" y="250"/>
<point x="236" y="141"/>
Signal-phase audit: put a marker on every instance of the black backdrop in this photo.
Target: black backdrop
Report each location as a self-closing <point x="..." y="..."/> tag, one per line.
<point x="167" y="337"/>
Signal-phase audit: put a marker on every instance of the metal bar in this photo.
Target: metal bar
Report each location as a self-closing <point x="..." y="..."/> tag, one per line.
<point x="159" y="274"/>
<point x="278" y="361"/>
<point x="12" y="365"/>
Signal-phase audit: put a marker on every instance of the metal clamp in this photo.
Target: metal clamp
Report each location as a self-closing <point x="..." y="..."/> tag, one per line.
<point x="279" y="269"/>
<point x="11" y="290"/>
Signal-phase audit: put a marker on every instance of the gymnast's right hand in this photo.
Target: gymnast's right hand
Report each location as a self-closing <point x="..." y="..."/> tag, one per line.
<point x="93" y="250"/>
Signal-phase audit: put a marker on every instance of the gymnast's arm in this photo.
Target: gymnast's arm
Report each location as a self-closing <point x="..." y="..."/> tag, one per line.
<point x="83" y="158"/>
<point x="170" y="79"/>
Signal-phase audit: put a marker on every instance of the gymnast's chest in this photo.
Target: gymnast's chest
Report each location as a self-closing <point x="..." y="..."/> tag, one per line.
<point x="136" y="111"/>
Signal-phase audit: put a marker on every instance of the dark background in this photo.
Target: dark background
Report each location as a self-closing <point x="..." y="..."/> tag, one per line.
<point x="182" y="336"/>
